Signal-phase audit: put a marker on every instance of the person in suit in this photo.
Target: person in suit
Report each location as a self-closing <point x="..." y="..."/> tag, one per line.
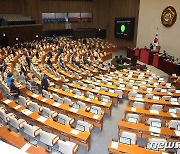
<point x="14" y="89"/>
<point x="28" y="62"/>
<point x="23" y="69"/>
<point x="44" y="82"/>
<point x="9" y="79"/>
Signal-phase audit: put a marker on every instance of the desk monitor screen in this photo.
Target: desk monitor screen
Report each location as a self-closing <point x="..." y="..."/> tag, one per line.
<point x="60" y="100"/>
<point x="132" y="120"/>
<point x="106" y="100"/>
<point x="89" y="78"/>
<point x="94" y="111"/>
<point x="139" y="96"/>
<point x="125" y="140"/>
<point x="156" y="124"/>
<point x="178" y="91"/>
<point x="149" y="89"/>
<point x="109" y="83"/>
<point x="76" y="106"/>
<point x="122" y="85"/>
<point x="78" y="93"/>
<point x="62" y="121"/>
<point x="156" y="84"/>
<point x="91" y="96"/>
<point x="31" y="108"/>
<point x="85" y="85"/>
<point x="163" y="90"/>
<point x="173" y="74"/>
<point x="135" y="87"/>
<point x="173" y="99"/>
<point x="178" y="127"/>
<point x="112" y="91"/>
<point x="98" y="88"/>
<point x="155" y="97"/>
<point x="74" y="82"/>
<point x="168" y="84"/>
<point x="171" y="110"/>
<point x="80" y="127"/>
<point x="45" y="114"/>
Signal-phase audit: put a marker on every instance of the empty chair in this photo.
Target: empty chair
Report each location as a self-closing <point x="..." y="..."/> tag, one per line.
<point x="64" y="119"/>
<point x="172" y="90"/>
<point x="77" y="92"/>
<point x="143" y="88"/>
<point x="117" y="84"/>
<point x="131" y="138"/>
<point x="46" y="94"/>
<point x="132" y="94"/>
<point x="64" y="79"/>
<point x="138" y="105"/>
<point x="31" y="131"/>
<point x="156" y="107"/>
<point x="48" y="138"/>
<point x="129" y="86"/>
<point x="77" y="76"/>
<point x="104" y="89"/>
<point x="22" y="101"/>
<point x="154" y="122"/>
<point x="96" y="110"/>
<point x="149" y="96"/>
<point x="81" y="105"/>
<point x="34" y="107"/>
<point x="92" y="86"/>
<point x="157" y="89"/>
<point x="132" y="118"/>
<point x="68" y="101"/>
<point x="4" y="116"/>
<point x="67" y="147"/>
<point x="47" y="113"/>
<point x="119" y="92"/>
<point x="166" y="98"/>
<point x="90" y="95"/>
<point x="55" y="97"/>
<point x="84" y="126"/>
<point x="80" y="83"/>
<point x="174" y="124"/>
<point x="16" y="123"/>
<point x="105" y="99"/>
<point x="65" y="88"/>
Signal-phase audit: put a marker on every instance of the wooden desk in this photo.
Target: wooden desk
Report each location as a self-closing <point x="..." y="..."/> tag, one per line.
<point x="106" y="107"/>
<point x="65" y="131"/>
<point x="96" y="120"/>
<point x="131" y="149"/>
<point x="18" y="141"/>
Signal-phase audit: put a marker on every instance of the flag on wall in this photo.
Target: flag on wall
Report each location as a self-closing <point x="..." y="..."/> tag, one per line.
<point x="156" y="41"/>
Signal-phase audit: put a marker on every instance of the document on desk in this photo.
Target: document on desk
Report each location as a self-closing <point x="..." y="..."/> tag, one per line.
<point x="75" y="132"/>
<point x="56" y="104"/>
<point x="42" y="119"/>
<point x="56" y="89"/>
<point x="154" y="112"/>
<point x="56" y="79"/>
<point x="169" y="93"/>
<point x="75" y="96"/>
<point x="44" y="100"/>
<point x="94" y="90"/>
<point x="173" y="115"/>
<point x="81" y="97"/>
<point x="17" y="107"/>
<point x="155" y="129"/>
<point x="174" y="103"/>
<point x="26" y="147"/>
<point x="177" y="132"/>
<point x="96" y="116"/>
<point x="73" y="110"/>
<point x="7" y="101"/>
<point x="83" y="88"/>
<point x="103" y="103"/>
<point x="133" y="109"/>
<point x="35" y="95"/>
<point x="114" y="145"/>
<point x="139" y="99"/>
<point x="88" y="99"/>
<point x="26" y="112"/>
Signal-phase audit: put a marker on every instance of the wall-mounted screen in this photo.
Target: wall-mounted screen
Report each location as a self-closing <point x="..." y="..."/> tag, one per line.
<point x="124" y="28"/>
<point x="74" y="17"/>
<point x="86" y="17"/>
<point x="48" y="17"/>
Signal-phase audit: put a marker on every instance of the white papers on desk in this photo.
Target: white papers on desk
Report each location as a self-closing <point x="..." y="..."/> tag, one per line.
<point x="139" y="99"/>
<point x="56" y="104"/>
<point x="103" y="103"/>
<point x="26" y="147"/>
<point x="133" y="109"/>
<point x="44" y="99"/>
<point x="173" y="115"/>
<point x="7" y="101"/>
<point x="73" y="110"/>
<point x="75" y="132"/>
<point x="114" y="145"/>
<point x="26" y="112"/>
<point x="42" y="119"/>
<point x="88" y="99"/>
<point x="35" y="95"/>
<point x="177" y="132"/>
<point x="80" y="96"/>
<point x="121" y="88"/>
<point x="71" y="84"/>
<point x="154" y="134"/>
<point x="56" y="89"/>
<point x="96" y="116"/>
<point x="174" y="103"/>
<point x="94" y="90"/>
<point x="17" y="107"/>
<point x="56" y="79"/>
<point x="154" y="112"/>
<point x="169" y="93"/>
<point x="75" y="96"/>
<point x="155" y="129"/>
<point x="83" y="88"/>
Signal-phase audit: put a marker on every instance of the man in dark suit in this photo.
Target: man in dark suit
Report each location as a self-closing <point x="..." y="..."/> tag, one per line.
<point x="44" y="82"/>
<point x="23" y="69"/>
<point x="28" y="62"/>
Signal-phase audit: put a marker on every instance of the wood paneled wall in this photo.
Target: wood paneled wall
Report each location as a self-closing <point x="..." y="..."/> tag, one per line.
<point x="104" y="13"/>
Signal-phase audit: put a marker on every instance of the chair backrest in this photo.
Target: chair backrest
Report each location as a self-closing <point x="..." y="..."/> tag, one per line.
<point x="174" y="124"/>
<point x="3" y="115"/>
<point x="157" y="89"/>
<point x="119" y="92"/>
<point x="171" y="90"/>
<point x="46" y="112"/>
<point x="156" y="107"/>
<point x="150" y="120"/>
<point x="166" y="98"/>
<point x="129" y="135"/>
<point x="149" y="96"/>
<point x="82" y="105"/>
<point x="90" y="94"/>
<point x="46" y="138"/>
<point x="142" y="87"/>
<point x="64" y="87"/>
<point x="104" y="88"/>
<point x="133" y="118"/>
<point x="105" y="99"/>
<point x="66" y="118"/>
<point x="85" y="124"/>
<point x="55" y="97"/>
<point x="28" y="129"/>
<point x="67" y="101"/>
<point x="132" y="94"/>
<point x="34" y="107"/>
<point x="92" y="86"/>
<point x="45" y="93"/>
<point x="14" y="122"/>
<point x="138" y="105"/>
<point x="66" y="147"/>
<point x="22" y="101"/>
<point x="99" y="110"/>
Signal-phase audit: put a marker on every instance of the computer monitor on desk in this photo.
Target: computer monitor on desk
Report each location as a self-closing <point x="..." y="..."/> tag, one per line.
<point x="132" y="120"/>
<point x="93" y="111"/>
<point x="156" y="124"/>
<point x="125" y="140"/>
<point x="80" y="127"/>
<point x="112" y="91"/>
<point x="172" y="110"/>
